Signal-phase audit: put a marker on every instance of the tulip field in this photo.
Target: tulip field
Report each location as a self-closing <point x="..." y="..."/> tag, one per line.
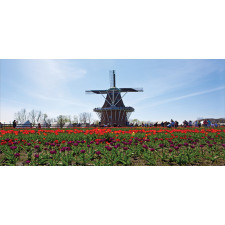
<point x="113" y="147"/>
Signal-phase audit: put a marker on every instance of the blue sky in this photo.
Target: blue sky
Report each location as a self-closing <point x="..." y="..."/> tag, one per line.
<point x="177" y="89"/>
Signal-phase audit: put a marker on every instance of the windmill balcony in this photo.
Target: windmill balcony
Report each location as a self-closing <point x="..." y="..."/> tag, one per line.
<point x="126" y="109"/>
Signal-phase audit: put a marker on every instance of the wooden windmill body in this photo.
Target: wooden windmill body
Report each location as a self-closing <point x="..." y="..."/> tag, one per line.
<point x="114" y="112"/>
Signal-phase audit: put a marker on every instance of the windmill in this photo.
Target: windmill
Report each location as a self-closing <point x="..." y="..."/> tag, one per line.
<point x="113" y="111"/>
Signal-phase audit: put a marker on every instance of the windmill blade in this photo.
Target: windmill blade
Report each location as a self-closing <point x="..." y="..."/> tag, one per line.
<point x="131" y="89"/>
<point x="96" y="92"/>
<point x="112" y="78"/>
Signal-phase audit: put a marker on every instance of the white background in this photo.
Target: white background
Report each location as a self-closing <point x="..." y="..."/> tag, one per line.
<point x="107" y="30"/>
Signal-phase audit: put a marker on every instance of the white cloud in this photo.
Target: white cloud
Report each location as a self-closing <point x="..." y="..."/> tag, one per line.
<point x="166" y="79"/>
<point x="49" y="78"/>
<point x="64" y="101"/>
<point x="187" y="96"/>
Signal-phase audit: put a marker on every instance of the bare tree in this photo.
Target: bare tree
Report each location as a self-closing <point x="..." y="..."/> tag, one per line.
<point x="21" y="116"/>
<point x="32" y="116"/>
<point x="24" y="115"/>
<point x="89" y="118"/>
<point x="49" y="121"/>
<point x="83" y="117"/>
<point x="69" y="119"/>
<point x="18" y="117"/>
<point x="75" y="119"/>
<point x="35" y="116"/>
<point x="45" y="116"/>
<point x="61" y="120"/>
<point x="39" y="116"/>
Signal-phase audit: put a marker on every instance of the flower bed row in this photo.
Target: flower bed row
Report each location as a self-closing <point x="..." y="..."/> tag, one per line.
<point x="112" y="146"/>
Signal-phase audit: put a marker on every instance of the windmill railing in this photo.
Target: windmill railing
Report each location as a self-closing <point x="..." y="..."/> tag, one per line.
<point x="127" y="109"/>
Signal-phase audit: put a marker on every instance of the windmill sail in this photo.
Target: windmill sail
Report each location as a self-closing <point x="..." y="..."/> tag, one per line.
<point x="112" y="78"/>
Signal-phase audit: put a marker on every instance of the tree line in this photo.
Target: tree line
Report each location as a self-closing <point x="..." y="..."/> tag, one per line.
<point x="37" y="116"/>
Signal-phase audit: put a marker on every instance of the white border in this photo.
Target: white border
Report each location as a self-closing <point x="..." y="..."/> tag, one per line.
<point x="122" y="30"/>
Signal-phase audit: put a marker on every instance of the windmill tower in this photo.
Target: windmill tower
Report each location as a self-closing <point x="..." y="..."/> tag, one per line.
<point x="113" y="111"/>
